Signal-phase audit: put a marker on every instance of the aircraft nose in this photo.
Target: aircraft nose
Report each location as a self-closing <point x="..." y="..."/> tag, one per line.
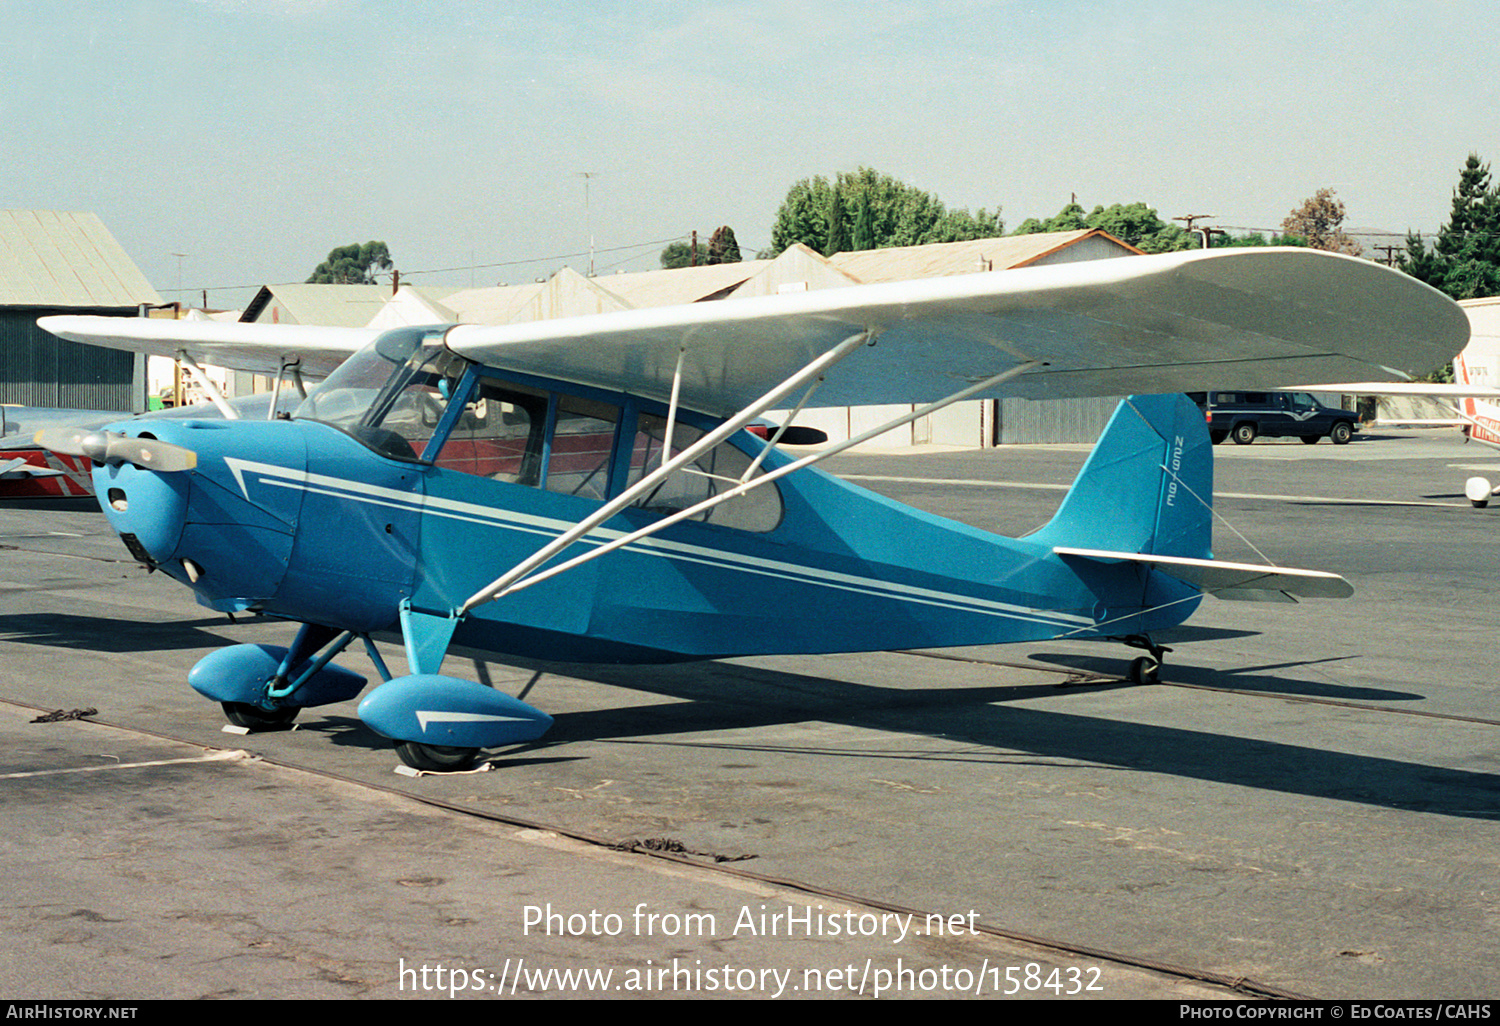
<point x="146" y="507"/>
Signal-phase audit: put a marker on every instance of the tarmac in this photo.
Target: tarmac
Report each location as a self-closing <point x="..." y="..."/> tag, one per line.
<point x="1305" y="806"/>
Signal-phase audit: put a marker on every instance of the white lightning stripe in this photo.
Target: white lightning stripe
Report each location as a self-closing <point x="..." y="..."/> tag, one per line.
<point x="426" y="716"/>
<point x="272" y="475"/>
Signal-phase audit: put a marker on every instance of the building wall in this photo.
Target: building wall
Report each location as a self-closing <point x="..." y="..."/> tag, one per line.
<point x="39" y="369"/>
<point x="1036" y="421"/>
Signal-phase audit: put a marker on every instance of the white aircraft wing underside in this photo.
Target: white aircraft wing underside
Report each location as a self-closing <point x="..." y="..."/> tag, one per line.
<point x="1177" y="322"/>
<point x="250" y="347"/>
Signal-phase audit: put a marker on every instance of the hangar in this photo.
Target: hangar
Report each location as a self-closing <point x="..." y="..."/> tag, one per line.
<point x="58" y="262"/>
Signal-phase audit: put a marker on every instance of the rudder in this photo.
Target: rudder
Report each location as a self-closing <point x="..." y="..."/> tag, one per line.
<point x="1147" y="485"/>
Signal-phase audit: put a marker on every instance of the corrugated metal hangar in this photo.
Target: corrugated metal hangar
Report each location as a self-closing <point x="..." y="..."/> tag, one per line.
<point x="56" y="262"/>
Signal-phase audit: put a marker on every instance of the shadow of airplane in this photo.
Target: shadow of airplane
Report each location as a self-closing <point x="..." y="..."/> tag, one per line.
<point x="720" y="696"/>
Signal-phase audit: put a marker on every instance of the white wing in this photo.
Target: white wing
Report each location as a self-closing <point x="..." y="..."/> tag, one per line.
<point x="251" y="347"/>
<point x="1179" y="322"/>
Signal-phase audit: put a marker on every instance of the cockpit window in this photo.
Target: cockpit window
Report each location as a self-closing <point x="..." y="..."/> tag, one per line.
<point x="390" y="395"/>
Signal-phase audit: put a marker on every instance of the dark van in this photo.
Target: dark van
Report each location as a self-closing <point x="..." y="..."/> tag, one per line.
<point x="1244" y="416"/>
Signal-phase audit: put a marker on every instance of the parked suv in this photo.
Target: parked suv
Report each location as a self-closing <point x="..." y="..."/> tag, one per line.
<point x="1243" y="416"/>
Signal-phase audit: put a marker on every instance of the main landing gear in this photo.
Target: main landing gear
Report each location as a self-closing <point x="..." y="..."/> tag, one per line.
<point x="1145" y="669"/>
<point x="435" y="758"/>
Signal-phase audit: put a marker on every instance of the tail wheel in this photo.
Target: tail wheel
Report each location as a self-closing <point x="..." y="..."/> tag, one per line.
<point x="1477" y="489"/>
<point x="435" y="758"/>
<point x="1145" y="670"/>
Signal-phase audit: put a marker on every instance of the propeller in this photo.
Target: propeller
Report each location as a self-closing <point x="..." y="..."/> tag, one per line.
<point x="109" y="447"/>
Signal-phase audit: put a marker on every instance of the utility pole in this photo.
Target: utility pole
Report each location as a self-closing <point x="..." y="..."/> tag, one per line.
<point x="1390" y="253"/>
<point x="1204" y="234"/>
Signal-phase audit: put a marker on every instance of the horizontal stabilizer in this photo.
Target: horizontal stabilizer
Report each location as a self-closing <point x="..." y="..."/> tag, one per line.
<point x="1243" y="581"/>
<point x="19" y="468"/>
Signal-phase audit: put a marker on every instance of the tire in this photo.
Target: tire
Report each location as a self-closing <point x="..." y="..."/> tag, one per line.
<point x="1217" y="436"/>
<point x="1309" y="439"/>
<point x="1243" y="434"/>
<point x="1145" y="670"/>
<point x="435" y="758"/>
<point x="1340" y="433"/>
<point x="253" y="717"/>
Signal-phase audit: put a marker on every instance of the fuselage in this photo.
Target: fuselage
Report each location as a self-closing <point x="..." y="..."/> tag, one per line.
<point x="415" y="476"/>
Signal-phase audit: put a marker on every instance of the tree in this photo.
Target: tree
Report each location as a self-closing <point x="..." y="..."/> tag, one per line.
<point x="721" y="248"/>
<point x="1227" y="241"/>
<point x="1320" y="220"/>
<point x="1135" y="223"/>
<point x="839" y="229"/>
<point x="353" y="265"/>
<point x="867" y="209"/>
<point x="1464" y="260"/>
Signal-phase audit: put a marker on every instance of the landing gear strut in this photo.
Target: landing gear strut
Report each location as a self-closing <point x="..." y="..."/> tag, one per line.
<point x="1145" y="669"/>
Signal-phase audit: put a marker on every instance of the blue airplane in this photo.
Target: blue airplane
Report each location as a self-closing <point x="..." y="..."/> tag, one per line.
<point x="589" y="489"/>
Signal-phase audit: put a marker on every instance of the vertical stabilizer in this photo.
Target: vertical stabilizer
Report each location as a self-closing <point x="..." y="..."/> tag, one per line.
<point x="1146" y="486"/>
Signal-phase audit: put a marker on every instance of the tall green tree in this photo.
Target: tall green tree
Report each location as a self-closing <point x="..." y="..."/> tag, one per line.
<point x="867" y="209"/>
<point x="1464" y="260"/>
<point x="353" y="265"/>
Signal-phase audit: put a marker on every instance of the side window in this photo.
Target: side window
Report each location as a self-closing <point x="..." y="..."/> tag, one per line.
<point x="582" y="443"/>
<point x="715" y="471"/>
<point x="499" y="434"/>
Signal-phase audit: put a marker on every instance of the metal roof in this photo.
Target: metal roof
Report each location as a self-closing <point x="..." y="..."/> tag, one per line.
<point x="56" y="259"/>
<point x="335" y="306"/>
<point x="905" y="263"/>
<point x="678" y="285"/>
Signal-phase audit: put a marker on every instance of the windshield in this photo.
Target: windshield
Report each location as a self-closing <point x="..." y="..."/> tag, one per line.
<point x="391" y="394"/>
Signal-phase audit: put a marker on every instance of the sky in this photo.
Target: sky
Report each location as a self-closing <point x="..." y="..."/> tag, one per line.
<point x="233" y="143"/>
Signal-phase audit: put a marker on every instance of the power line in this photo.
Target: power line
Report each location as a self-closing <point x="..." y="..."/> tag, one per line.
<point x="463" y="267"/>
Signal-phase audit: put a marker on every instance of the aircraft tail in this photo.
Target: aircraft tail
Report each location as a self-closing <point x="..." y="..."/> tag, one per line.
<point x="1147" y="486"/>
<point x="1143" y="499"/>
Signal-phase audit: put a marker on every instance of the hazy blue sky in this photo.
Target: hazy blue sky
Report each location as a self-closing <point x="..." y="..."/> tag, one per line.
<point x="255" y="135"/>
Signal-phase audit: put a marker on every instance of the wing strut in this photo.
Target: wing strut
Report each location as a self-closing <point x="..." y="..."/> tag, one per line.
<point x="292" y="368"/>
<point x="764" y="479"/>
<point x="207" y="384"/>
<point x="650" y="481"/>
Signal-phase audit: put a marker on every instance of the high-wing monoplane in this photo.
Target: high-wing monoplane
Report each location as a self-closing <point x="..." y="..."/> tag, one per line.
<point x="586" y="489"/>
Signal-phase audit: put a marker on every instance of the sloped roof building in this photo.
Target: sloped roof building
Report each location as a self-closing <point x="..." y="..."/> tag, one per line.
<point x="60" y="262"/>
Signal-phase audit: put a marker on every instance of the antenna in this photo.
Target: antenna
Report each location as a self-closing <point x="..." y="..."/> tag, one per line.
<point x="587" y="219"/>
